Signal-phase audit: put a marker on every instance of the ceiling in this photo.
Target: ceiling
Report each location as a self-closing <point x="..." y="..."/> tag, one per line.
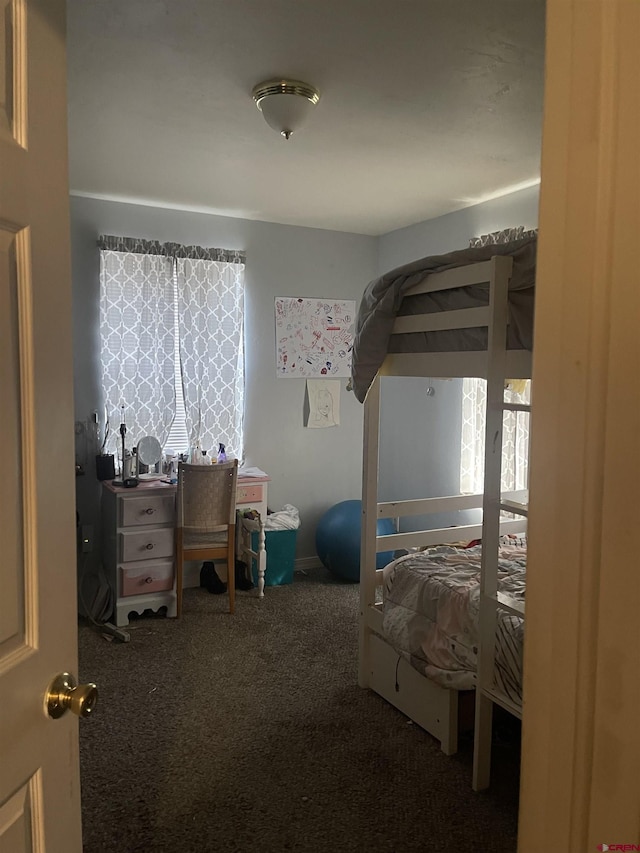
<point x="427" y="106"/>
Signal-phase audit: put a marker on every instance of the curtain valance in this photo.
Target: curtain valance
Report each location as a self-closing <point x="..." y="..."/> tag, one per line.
<point x="169" y="250"/>
<point x="507" y="235"/>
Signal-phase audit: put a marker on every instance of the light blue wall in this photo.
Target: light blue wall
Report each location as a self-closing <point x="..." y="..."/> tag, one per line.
<point x="420" y="434"/>
<point x="453" y="231"/>
<point x="311" y="469"/>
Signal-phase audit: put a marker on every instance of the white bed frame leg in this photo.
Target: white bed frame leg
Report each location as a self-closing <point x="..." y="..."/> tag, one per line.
<point x="449" y="742"/>
<point x="369" y="526"/>
<point x="496" y="355"/>
<point x="482" y="742"/>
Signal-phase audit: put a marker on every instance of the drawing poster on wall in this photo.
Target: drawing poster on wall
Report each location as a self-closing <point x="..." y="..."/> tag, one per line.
<point x="314" y="337"/>
<point x="322" y="407"/>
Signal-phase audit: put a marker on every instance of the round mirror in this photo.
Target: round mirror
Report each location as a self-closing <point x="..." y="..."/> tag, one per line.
<point x="149" y="454"/>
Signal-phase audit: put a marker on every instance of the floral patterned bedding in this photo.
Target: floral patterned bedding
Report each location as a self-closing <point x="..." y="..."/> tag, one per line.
<point x="431" y="614"/>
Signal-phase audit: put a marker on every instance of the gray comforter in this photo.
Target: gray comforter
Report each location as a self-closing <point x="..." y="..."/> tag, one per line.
<point x="383" y="300"/>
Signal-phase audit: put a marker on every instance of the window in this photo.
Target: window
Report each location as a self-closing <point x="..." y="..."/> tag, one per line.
<point x="172" y="343"/>
<point x="515" y="425"/>
<point x="178" y="439"/>
<point x="515" y="437"/>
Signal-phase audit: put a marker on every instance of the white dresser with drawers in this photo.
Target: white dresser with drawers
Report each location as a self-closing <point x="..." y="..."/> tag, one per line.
<point x="138" y="549"/>
<point x="138" y="544"/>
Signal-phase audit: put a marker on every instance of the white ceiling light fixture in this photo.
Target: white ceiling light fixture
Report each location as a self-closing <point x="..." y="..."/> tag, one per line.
<point x="285" y="104"/>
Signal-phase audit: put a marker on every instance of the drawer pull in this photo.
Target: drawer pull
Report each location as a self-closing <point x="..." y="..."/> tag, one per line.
<point x="150" y="546"/>
<point x="149" y="511"/>
<point x="148" y="580"/>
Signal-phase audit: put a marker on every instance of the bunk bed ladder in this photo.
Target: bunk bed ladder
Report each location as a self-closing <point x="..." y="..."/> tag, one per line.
<point x="493" y="504"/>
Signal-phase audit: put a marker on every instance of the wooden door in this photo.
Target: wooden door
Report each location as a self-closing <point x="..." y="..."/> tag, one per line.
<point x="39" y="773"/>
<point x="581" y="720"/>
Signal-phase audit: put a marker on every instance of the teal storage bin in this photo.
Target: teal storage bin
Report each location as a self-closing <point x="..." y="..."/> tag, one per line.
<point x="281" y="554"/>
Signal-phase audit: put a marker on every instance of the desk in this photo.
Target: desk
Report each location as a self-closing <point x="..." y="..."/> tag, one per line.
<point x="138" y="547"/>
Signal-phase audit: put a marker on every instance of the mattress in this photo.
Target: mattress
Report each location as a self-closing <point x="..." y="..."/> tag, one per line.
<point x="384" y="300"/>
<point x="430" y="614"/>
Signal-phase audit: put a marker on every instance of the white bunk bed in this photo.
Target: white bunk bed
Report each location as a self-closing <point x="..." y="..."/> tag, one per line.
<point x="406" y="327"/>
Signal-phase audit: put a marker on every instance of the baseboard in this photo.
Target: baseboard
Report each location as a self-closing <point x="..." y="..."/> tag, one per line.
<point x="191" y="574"/>
<point x="304" y="563"/>
<point x="192" y="570"/>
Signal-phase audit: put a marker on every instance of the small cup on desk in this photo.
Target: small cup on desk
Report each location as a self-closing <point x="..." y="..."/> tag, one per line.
<point x="127" y="468"/>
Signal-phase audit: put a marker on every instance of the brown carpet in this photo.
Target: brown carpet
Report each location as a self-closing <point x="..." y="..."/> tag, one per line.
<point x="249" y="733"/>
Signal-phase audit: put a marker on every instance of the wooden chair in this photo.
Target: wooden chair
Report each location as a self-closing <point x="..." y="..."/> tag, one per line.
<point x="205" y="519"/>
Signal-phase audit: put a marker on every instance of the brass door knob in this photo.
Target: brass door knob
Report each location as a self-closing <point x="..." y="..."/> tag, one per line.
<point x="65" y="694"/>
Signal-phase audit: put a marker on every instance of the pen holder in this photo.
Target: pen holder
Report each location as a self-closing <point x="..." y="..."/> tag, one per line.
<point x="105" y="467"/>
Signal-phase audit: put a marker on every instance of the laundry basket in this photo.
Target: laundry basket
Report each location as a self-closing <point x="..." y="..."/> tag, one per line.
<point x="281" y="531"/>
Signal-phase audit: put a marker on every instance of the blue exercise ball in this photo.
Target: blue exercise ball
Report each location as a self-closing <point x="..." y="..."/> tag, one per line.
<point x="338" y="540"/>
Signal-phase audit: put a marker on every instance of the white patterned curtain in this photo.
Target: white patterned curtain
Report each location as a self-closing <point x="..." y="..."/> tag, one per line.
<point x="515" y="425"/>
<point x="211" y="324"/>
<point x="515" y="437"/>
<point x="137" y="340"/>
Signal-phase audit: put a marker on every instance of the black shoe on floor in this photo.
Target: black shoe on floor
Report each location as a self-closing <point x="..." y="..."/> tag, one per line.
<point x="243" y="581"/>
<point x="210" y="581"/>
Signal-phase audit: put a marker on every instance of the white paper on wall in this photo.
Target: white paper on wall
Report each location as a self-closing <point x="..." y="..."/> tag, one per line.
<point x="324" y="403"/>
<point x="314" y="337"/>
